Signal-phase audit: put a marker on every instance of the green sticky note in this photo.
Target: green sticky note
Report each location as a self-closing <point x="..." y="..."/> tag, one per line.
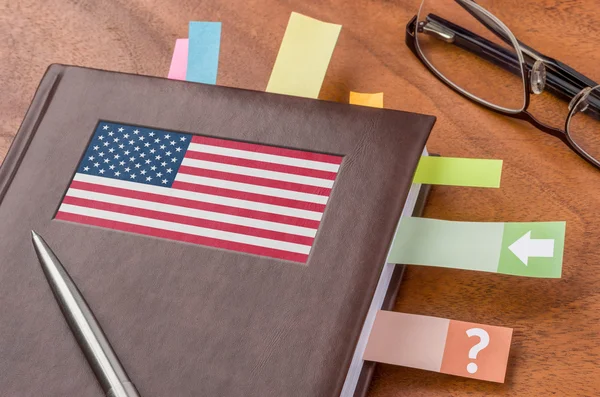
<point x="459" y="245"/>
<point x="458" y="171"/>
<point x="303" y="57"/>
<point x="533" y="249"/>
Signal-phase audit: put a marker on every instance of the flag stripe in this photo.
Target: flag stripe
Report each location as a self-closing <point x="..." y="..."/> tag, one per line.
<point x="248" y="188"/>
<point x="184" y="237"/>
<point x="263" y="165"/>
<point x="187" y="229"/>
<point x="188" y="220"/>
<point x="255" y="172"/>
<point x="258" y="156"/>
<point x="295" y="187"/>
<point x="241" y="195"/>
<point x="73" y="195"/>
<point x="186" y="203"/>
<point x="251" y="147"/>
<point x="200" y="197"/>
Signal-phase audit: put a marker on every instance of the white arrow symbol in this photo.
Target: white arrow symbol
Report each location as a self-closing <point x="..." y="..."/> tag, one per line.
<point x="526" y="247"/>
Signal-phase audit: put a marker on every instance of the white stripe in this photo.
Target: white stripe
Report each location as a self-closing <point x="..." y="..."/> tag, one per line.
<point x="205" y="198"/>
<point x="256" y="172"/>
<point x="177" y="227"/>
<point x="193" y="213"/>
<point x="269" y="158"/>
<point x="245" y="187"/>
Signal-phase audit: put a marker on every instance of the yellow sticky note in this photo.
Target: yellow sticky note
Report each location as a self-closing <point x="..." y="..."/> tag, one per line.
<point x="458" y="171"/>
<point x="372" y="100"/>
<point x="303" y="57"/>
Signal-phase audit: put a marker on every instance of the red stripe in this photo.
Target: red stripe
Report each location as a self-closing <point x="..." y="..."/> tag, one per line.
<point x="254" y="180"/>
<point x="187" y="220"/>
<point x="251" y="147"/>
<point x="260" y="198"/>
<point x="263" y="165"/>
<point x="188" y="238"/>
<point x="187" y="203"/>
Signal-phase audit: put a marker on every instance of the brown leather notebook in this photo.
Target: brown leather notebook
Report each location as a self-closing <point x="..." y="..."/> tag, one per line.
<point x="230" y="242"/>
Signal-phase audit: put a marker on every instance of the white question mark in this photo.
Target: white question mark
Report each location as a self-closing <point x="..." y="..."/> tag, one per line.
<point x="484" y="341"/>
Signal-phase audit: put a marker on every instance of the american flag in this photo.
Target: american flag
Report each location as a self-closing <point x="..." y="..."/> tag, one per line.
<point x="226" y="194"/>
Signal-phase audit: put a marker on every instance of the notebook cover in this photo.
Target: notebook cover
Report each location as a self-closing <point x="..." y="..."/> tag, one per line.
<point x="185" y="319"/>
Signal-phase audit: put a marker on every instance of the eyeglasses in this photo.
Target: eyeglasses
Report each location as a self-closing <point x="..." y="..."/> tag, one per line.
<point x="480" y="58"/>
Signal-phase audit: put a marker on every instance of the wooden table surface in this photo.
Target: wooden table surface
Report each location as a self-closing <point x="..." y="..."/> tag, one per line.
<point x="556" y="345"/>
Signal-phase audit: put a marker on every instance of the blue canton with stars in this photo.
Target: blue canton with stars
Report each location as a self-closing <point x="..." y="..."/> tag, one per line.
<point x="135" y="154"/>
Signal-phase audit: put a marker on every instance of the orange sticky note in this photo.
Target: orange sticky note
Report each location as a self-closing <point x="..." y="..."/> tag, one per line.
<point x="364" y="99"/>
<point x="476" y="351"/>
<point x="441" y="345"/>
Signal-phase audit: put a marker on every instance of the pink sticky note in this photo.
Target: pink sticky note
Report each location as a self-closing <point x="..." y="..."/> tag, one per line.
<point x="178" y="67"/>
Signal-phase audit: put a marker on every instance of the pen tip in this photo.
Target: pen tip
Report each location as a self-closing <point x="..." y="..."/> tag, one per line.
<point x="42" y="250"/>
<point x="38" y="241"/>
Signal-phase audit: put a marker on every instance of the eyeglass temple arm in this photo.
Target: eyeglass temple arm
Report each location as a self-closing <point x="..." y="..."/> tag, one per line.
<point x="578" y="80"/>
<point x="476" y="44"/>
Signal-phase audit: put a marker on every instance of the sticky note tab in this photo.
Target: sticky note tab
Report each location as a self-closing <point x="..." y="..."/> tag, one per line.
<point x="458" y="171"/>
<point x="178" y="67"/>
<point x="440" y="345"/>
<point x="364" y="99"/>
<point x="533" y="249"/>
<point x="203" y="52"/>
<point x="486" y="347"/>
<point x="408" y="340"/>
<point x="303" y="57"/>
<point x="537" y="245"/>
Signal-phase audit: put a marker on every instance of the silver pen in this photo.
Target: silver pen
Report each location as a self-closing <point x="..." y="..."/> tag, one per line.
<point x="94" y="344"/>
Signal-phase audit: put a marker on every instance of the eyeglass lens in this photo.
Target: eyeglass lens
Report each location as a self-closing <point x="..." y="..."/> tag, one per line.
<point x="490" y="73"/>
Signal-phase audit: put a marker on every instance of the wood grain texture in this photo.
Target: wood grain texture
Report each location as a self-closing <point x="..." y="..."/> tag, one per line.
<point x="556" y="347"/>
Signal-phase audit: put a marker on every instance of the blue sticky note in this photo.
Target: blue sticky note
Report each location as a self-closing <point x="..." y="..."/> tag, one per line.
<point x="203" y="52"/>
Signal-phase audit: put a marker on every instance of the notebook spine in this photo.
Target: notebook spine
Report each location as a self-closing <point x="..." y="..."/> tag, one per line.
<point x="33" y="117"/>
<point x="368" y="369"/>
